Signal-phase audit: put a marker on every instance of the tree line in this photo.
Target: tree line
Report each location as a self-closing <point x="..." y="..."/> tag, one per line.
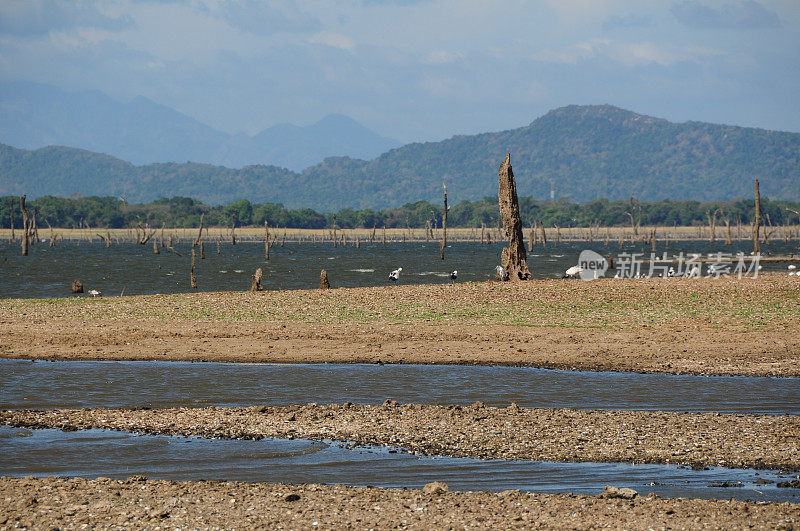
<point x="112" y="212"/>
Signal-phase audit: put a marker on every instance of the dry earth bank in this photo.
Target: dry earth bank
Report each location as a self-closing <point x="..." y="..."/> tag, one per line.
<point x="702" y="326"/>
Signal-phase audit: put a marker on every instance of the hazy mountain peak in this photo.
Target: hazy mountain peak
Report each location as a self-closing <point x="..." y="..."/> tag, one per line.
<point x="143" y="131"/>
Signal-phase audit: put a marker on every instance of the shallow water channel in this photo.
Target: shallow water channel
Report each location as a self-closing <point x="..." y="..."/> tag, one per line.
<point x="91" y="453"/>
<point x="70" y="384"/>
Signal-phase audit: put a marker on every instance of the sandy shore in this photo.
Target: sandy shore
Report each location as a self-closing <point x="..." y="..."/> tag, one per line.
<point x="702" y="326"/>
<point x="693" y="439"/>
<point x="140" y="503"/>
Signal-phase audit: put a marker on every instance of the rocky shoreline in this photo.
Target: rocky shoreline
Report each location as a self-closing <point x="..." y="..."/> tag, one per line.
<point x="691" y="439"/>
<point x="58" y="502"/>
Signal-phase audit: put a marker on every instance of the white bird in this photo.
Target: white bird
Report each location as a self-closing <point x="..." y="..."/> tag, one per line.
<point x="792" y="267"/>
<point x="671" y="272"/>
<point x="501" y="273"/>
<point x="394" y="276"/>
<point x="94" y="292"/>
<point x="454" y="274"/>
<point x="573" y="271"/>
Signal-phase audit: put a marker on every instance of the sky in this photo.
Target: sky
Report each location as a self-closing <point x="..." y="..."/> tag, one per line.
<point x="417" y="70"/>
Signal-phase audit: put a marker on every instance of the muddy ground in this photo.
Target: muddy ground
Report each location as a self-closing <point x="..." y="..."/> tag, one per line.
<point x="702" y="326"/>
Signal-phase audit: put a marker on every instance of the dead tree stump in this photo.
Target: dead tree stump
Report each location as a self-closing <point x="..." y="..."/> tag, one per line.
<point x="514" y="259"/>
<point x="757" y="221"/>
<point x="193" y="278"/>
<point x="323" y="280"/>
<point x="256" y="278"/>
<point x="25" y="225"/>
<point x="77" y="286"/>
<point x="444" y="224"/>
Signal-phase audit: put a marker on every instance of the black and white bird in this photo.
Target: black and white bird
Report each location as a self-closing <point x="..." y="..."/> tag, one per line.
<point x="501" y="273"/>
<point x="394" y="276"/>
<point x="454" y="274"/>
<point x="94" y="292"/>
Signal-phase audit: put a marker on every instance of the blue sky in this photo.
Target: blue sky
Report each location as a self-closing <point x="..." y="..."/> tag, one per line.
<point x="417" y="69"/>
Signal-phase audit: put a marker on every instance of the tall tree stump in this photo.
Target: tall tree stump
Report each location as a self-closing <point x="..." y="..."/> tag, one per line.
<point x="323" y="280"/>
<point x="256" y="278"/>
<point x="514" y="259"/>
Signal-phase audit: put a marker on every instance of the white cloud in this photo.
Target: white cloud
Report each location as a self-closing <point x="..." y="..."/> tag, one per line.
<point x="440" y="57"/>
<point x="334" y="40"/>
<point x="574" y="53"/>
<point x="627" y="53"/>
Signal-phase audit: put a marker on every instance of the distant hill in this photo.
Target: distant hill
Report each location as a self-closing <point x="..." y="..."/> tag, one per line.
<point x="588" y="151"/>
<point x="33" y="116"/>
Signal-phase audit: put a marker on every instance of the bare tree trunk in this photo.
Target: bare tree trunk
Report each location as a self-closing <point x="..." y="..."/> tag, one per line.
<point x="25" y="227"/>
<point x="52" y="234"/>
<point x="544" y="233"/>
<point x="266" y="240"/>
<point x="531" y="238"/>
<point x="35" y="227"/>
<point x="323" y="280"/>
<point x="757" y="221"/>
<point x="233" y="231"/>
<point x="256" y="280"/>
<point x="514" y="259"/>
<point x="191" y="272"/>
<point x="11" y="215"/>
<point x="155" y="247"/>
<point x="444" y="223"/>
<point x="712" y="225"/>
<point x="200" y="232"/>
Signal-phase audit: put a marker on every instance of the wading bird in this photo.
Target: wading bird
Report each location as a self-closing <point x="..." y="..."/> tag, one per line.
<point x="394" y="276"/>
<point x="501" y="273"/>
<point x="573" y="272"/>
<point x="94" y="292"/>
<point x="454" y="274"/>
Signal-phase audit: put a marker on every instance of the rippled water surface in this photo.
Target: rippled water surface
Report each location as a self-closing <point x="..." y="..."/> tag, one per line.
<point x="135" y="269"/>
<point x="39" y="385"/>
<point x="93" y="453"/>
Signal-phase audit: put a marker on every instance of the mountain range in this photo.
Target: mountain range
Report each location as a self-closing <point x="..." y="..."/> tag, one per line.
<point x="141" y="131"/>
<point x="586" y="152"/>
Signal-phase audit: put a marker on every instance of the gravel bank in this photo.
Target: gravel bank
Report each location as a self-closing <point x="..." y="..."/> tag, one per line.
<point x="694" y="439"/>
<point x="103" y="503"/>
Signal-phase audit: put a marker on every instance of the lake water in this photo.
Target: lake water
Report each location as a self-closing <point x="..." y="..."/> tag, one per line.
<point x="135" y="269"/>
<point x="70" y="384"/>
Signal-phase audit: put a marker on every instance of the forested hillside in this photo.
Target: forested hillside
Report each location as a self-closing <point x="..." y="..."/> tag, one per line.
<point x="589" y="152"/>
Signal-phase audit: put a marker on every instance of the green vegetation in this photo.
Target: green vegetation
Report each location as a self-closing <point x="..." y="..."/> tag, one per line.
<point x="111" y="212"/>
<point x="587" y="152"/>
